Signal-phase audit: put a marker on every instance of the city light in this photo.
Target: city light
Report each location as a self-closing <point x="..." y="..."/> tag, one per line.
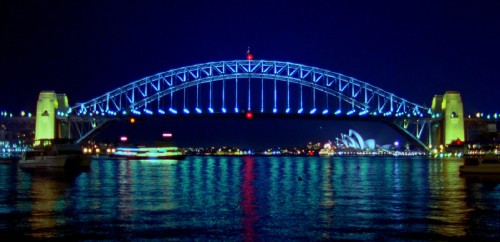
<point x="166" y="135"/>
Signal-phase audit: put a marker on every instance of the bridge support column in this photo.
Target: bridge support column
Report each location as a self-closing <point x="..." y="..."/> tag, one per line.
<point x="47" y="126"/>
<point x="451" y="127"/>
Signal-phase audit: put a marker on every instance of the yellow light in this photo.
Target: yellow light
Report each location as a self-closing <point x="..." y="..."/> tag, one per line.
<point x="132" y="120"/>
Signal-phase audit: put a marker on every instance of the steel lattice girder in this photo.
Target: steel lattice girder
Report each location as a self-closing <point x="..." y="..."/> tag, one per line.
<point x="140" y="93"/>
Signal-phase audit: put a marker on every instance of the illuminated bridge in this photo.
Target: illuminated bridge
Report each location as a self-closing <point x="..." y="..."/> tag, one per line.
<point x="262" y="88"/>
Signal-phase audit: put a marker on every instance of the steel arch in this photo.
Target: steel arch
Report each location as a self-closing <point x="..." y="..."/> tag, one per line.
<point x="139" y="95"/>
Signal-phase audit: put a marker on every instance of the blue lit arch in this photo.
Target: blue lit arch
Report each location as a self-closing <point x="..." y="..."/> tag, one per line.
<point x="233" y="86"/>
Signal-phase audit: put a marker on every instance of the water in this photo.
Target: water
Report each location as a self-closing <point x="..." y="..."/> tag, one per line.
<point x="251" y="199"/>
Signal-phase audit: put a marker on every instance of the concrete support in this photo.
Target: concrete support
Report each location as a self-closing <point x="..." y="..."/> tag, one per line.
<point x="453" y="117"/>
<point x="46" y="126"/>
<point x="450" y="108"/>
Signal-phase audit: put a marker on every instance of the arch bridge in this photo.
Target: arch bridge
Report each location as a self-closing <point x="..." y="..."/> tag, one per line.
<point x="267" y="88"/>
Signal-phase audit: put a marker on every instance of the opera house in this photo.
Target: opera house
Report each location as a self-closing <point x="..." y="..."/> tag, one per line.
<point x="355" y="141"/>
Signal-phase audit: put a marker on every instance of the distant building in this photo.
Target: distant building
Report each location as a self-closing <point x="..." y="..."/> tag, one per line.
<point x="355" y="141"/>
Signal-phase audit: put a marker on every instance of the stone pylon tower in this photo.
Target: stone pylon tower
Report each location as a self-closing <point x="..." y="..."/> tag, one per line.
<point x="46" y="126"/>
<point x="450" y="107"/>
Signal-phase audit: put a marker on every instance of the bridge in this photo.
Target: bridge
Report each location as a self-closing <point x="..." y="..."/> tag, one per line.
<point x="258" y="88"/>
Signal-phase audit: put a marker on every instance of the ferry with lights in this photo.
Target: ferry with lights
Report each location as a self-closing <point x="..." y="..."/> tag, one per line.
<point x="142" y="152"/>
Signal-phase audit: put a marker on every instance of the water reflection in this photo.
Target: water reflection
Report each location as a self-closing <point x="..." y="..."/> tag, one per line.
<point x="48" y="190"/>
<point x="250" y="215"/>
<point x="253" y="198"/>
<point x="448" y="211"/>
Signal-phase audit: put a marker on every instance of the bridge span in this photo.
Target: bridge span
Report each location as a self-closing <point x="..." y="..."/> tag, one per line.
<point x="271" y="89"/>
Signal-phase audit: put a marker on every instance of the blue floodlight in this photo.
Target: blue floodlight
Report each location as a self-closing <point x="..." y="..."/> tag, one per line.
<point x="160" y="111"/>
<point x="224" y="110"/>
<point x="124" y="112"/>
<point x="312" y="111"/>
<point x="275" y="110"/>
<point x="172" y="110"/>
<point x="211" y="110"/>
<point x="198" y="110"/>
<point x="147" y="111"/>
<point x="363" y="113"/>
<point x="287" y="110"/>
<point x="186" y="111"/>
<point x="300" y="111"/>
<point x="325" y="111"/>
<point x="236" y="110"/>
<point x="338" y="112"/>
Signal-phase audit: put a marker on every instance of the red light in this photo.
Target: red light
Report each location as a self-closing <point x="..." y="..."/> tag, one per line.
<point x="459" y="142"/>
<point x="249" y="115"/>
<point x="249" y="56"/>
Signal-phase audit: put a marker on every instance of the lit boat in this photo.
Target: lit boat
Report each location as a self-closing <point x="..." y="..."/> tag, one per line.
<point x="141" y="152"/>
<point x="487" y="164"/>
<point x="55" y="153"/>
<point x="326" y="152"/>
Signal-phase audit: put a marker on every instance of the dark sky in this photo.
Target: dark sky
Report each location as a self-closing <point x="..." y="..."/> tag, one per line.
<point x="414" y="49"/>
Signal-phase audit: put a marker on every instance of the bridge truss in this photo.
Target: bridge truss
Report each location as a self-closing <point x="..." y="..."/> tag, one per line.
<point x="258" y="86"/>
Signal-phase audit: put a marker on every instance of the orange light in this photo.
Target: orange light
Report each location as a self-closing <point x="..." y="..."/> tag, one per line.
<point x="132" y="120"/>
<point x="249" y="115"/>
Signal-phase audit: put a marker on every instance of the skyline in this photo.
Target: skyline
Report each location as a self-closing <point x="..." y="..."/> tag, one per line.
<point x="414" y="50"/>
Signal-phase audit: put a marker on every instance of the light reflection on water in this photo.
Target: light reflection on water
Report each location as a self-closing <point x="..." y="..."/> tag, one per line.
<point x="251" y="199"/>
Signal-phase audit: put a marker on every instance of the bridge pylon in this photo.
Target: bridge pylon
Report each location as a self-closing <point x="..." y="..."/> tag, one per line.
<point x="47" y="126"/>
<point x="449" y="125"/>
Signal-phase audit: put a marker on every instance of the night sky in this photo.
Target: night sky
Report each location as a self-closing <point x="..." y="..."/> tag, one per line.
<point x="415" y="49"/>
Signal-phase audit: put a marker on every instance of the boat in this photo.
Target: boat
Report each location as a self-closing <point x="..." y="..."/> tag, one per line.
<point x="55" y="153"/>
<point x="143" y="152"/>
<point x="487" y="164"/>
<point x="326" y="152"/>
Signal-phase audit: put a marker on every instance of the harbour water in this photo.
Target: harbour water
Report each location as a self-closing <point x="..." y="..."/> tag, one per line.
<point x="251" y="199"/>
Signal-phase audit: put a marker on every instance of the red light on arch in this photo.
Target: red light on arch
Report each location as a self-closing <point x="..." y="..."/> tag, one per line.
<point x="249" y="115"/>
<point x="249" y="56"/>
